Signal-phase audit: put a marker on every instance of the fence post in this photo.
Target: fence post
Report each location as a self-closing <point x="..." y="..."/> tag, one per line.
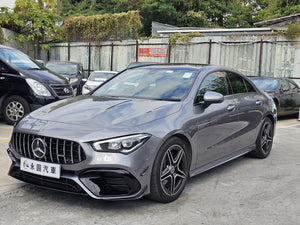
<point x="209" y="51"/>
<point x="169" y="53"/>
<point x="260" y="57"/>
<point x="112" y="56"/>
<point x="136" y="50"/>
<point x="69" y="51"/>
<point x="89" y="59"/>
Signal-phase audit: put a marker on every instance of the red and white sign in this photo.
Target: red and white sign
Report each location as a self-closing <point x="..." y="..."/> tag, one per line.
<point x="153" y="52"/>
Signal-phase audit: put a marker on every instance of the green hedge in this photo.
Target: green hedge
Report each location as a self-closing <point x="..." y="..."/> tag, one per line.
<point x="103" y="27"/>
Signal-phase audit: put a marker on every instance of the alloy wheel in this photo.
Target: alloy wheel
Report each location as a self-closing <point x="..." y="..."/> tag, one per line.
<point x="266" y="138"/>
<point x="15" y="110"/>
<point x="173" y="171"/>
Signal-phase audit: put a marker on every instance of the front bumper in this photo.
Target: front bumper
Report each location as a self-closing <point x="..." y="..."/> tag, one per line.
<point x="109" y="183"/>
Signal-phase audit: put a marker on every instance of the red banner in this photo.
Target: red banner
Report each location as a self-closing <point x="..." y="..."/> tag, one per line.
<point x="153" y="52"/>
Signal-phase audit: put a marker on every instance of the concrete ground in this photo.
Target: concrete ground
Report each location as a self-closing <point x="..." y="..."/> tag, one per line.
<point x="244" y="191"/>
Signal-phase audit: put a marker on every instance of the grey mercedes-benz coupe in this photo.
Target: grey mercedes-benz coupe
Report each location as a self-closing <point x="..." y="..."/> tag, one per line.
<point x="144" y="132"/>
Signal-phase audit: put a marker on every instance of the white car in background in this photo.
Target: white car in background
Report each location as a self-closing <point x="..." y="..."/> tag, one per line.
<point x="95" y="79"/>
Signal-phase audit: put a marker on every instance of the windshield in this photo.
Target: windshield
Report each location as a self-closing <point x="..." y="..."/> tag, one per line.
<point x="151" y="83"/>
<point x="100" y="76"/>
<point x="60" y="68"/>
<point x="18" y="59"/>
<point x="266" y="84"/>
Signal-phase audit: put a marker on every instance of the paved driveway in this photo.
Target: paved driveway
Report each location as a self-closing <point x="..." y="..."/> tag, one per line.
<point x="244" y="191"/>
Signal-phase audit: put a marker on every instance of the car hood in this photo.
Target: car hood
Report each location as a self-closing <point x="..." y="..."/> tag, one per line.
<point x="84" y="115"/>
<point x="45" y="76"/>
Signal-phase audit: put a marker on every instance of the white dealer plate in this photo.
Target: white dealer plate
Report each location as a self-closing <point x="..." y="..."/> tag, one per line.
<point x="40" y="168"/>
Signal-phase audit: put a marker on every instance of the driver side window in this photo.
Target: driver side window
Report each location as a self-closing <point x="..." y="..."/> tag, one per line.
<point x="213" y="82"/>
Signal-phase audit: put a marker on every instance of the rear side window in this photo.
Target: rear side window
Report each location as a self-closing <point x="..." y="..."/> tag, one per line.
<point x="213" y="82"/>
<point x="293" y="85"/>
<point x="285" y="85"/>
<point x="249" y="87"/>
<point x="237" y="83"/>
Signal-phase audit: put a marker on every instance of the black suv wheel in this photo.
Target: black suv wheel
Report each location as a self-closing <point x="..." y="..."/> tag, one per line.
<point x="14" y="108"/>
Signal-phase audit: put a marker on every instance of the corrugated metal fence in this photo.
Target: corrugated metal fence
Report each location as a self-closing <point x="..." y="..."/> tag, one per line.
<point x="252" y="55"/>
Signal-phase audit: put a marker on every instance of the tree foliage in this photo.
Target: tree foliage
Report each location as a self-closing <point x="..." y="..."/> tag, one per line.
<point x="33" y="20"/>
<point x="101" y="27"/>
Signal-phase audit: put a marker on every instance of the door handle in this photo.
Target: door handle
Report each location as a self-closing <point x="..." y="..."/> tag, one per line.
<point x="258" y="102"/>
<point x="230" y="107"/>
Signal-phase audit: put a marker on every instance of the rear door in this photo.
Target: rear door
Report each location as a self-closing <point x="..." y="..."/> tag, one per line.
<point x="250" y="108"/>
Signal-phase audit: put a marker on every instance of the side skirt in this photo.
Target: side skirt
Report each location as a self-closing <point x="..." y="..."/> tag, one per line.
<point x="221" y="161"/>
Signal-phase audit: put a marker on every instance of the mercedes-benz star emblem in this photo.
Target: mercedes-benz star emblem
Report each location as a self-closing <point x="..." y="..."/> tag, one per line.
<point x="38" y="147"/>
<point x="67" y="90"/>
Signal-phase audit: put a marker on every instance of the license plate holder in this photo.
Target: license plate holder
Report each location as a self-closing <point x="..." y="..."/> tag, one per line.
<point x="40" y="168"/>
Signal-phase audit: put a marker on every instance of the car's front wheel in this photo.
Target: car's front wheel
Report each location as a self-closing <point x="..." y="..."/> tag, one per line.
<point x="170" y="171"/>
<point x="264" y="140"/>
<point x="14" y="108"/>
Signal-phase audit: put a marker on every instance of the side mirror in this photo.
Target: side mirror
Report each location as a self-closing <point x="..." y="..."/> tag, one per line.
<point x="285" y="89"/>
<point x="211" y="97"/>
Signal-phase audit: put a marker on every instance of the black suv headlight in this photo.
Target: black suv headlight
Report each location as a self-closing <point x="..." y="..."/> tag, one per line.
<point x="125" y="144"/>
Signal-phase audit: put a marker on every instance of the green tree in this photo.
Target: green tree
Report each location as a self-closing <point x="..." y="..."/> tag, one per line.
<point x="34" y="21"/>
<point x="270" y="9"/>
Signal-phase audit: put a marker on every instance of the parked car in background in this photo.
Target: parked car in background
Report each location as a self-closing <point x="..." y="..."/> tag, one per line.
<point x="26" y="85"/>
<point x="95" y="79"/>
<point x="73" y="71"/>
<point x="125" y="141"/>
<point x="285" y="93"/>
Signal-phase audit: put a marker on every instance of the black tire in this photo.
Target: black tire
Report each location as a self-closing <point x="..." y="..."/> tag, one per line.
<point x="14" y="108"/>
<point x="170" y="171"/>
<point x="264" y="140"/>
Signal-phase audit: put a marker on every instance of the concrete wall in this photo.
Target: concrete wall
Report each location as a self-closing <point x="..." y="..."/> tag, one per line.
<point x="272" y="55"/>
<point x="27" y="47"/>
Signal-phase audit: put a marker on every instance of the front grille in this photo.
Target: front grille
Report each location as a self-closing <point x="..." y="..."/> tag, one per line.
<point x="57" y="150"/>
<point x="62" y="90"/>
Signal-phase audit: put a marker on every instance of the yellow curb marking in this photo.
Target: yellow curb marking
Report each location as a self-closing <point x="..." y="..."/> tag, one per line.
<point x="6" y="128"/>
<point x="4" y="141"/>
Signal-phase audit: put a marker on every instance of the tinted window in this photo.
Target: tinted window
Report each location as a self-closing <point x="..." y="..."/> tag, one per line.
<point x="237" y="83"/>
<point x="3" y="68"/>
<point x="213" y="82"/>
<point x="249" y="86"/>
<point x="285" y="85"/>
<point x="293" y="85"/>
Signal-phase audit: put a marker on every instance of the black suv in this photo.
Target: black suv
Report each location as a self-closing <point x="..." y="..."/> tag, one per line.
<point x="25" y="85"/>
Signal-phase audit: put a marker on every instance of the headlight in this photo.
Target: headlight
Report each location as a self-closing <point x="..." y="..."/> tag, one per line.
<point x="125" y="144"/>
<point x="38" y="88"/>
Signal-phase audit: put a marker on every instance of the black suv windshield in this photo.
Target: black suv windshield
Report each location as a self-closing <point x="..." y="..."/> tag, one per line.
<point x="18" y="59"/>
<point x="152" y="83"/>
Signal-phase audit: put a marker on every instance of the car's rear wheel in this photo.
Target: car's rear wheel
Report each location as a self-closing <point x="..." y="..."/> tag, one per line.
<point x="170" y="171"/>
<point x="14" y="108"/>
<point x="264" y="140"/>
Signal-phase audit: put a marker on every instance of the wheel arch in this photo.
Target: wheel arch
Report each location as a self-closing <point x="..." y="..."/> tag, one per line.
<point x="188" y="145"/>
